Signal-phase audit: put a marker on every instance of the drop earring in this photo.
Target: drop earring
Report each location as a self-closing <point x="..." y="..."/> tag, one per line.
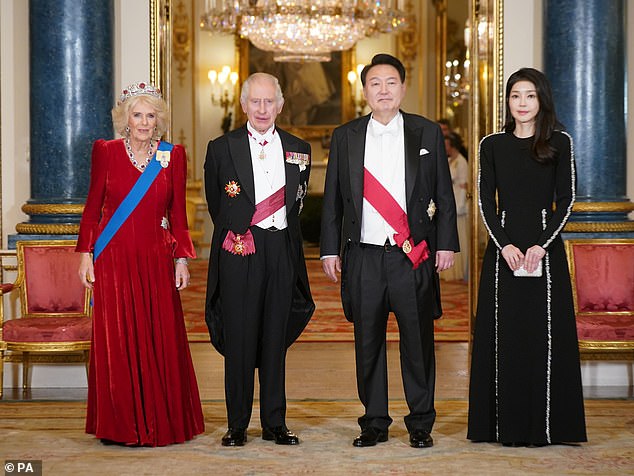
<point x="127" y="131"/>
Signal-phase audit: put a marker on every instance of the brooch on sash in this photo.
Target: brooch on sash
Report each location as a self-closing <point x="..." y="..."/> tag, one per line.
<point x="431" y="209"/>
<point x="298" y="158"/>
<point x="165" y="223"/>
<point x="232" y="189"/>
<point x="163" y="156"/>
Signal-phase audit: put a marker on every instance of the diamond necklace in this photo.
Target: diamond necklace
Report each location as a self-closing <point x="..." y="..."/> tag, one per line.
<point x="150" y="153"/>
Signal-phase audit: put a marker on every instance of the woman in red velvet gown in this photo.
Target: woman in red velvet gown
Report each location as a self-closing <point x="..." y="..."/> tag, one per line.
<point x="142" y="389"/>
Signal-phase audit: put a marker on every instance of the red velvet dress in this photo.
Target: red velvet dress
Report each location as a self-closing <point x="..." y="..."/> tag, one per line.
<point x="142" y="388"/>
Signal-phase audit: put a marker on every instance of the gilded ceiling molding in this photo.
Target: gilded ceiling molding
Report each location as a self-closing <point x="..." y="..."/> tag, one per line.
<point x="406" y="41"/>
<point x="181" y="40"/>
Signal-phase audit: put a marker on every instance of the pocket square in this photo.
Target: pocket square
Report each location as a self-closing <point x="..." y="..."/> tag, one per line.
<point x="423" y="152"/>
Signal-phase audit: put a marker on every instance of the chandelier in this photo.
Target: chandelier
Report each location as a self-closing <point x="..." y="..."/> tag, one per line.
<point x="303" y="30"/>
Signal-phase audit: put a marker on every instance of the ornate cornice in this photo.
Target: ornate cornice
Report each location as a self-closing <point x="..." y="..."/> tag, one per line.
<point x="47" y="229"/>
<point x="52" y="209"/>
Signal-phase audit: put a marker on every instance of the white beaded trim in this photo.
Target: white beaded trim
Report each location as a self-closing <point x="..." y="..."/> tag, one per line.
<point x="548" y="331"/>
<point x="496" y="338"/>
<point x="572" y="188"/>
<point x="486" y="224"/>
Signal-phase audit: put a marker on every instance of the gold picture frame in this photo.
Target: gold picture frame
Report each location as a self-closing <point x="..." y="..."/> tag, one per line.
<point x="317" y="98"/>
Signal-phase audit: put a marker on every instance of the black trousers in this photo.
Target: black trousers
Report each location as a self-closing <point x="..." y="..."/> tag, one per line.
<point x="381" y="280"/>
<point x="255" y="295"/>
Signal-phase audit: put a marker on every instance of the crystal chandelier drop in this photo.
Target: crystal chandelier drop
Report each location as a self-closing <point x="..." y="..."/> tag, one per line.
<point x="303" y="30"/>
<point x="456" y="80"/>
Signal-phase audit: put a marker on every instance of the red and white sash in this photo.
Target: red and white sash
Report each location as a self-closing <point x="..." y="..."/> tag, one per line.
<point x="384" y="203"/>
<point x="244" y="244"/>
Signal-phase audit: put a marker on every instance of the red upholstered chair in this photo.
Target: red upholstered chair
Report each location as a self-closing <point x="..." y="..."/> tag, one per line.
<point x="55" y="313"/>
<point x="602" y="274"/>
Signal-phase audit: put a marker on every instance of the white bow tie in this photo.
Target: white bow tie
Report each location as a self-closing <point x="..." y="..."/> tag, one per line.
<point x="391" y="128"/>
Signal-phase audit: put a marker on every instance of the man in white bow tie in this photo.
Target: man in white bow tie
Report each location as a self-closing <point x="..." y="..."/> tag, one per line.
<point x="389" y="226"/>
<point x="258" y="296"/>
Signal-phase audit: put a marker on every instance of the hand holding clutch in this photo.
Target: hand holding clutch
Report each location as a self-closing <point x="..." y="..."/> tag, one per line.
<point x="522" y="273"/>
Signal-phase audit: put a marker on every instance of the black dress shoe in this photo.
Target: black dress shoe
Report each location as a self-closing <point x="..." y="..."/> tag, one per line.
<point x="420" y="439"/>
<point x="281" y="435"/>
<point x="107" y="442"/>
<point x="234" y="437"/>
<point x="370" y="437"/>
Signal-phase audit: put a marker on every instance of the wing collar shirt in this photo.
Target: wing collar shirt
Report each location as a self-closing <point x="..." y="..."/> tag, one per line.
<point x="385" y="160"/>
<point x="267" y="160"/>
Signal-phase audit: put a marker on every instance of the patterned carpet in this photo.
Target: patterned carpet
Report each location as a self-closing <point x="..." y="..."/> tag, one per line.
<point x="328" y="323"/>
<point x="54" y="433"/>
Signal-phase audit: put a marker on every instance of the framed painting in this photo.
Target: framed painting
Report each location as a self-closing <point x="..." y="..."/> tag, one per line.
<point x="316" y="95"/>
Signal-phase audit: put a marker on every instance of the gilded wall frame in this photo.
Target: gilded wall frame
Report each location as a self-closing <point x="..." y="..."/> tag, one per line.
<point x="487" y="61"/>
<point x="160" y="46"/>
<point x="336" y="73"/>
<point x="161" y="58"/>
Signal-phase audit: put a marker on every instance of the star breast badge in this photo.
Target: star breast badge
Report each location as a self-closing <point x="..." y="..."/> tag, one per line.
<point x="431" y="209"/>
<point x="232" y="189"/>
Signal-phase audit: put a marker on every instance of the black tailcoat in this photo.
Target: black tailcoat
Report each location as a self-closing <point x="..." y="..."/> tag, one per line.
<point x="229" y="159"/>
<point x="431" y="209"/>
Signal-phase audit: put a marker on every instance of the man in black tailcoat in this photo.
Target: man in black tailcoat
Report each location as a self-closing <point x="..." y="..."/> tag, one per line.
<point x="258" y="297"/>
<point x="389" y="226"/>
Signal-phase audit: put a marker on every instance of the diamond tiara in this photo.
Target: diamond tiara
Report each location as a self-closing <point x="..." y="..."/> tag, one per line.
<point x="139" y="89"/>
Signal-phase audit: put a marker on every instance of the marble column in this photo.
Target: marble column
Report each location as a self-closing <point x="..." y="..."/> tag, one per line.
<point x="71" y="95"/>
<point x="585" y="60"/>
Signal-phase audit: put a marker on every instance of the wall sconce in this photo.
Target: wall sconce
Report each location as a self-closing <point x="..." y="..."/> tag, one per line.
<point x="356" y="90"/>
<point x="456" y="81"/>
<point x="223" y="93"/>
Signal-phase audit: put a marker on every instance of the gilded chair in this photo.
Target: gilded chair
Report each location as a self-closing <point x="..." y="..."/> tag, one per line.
<point x="602" y="275"/>
<point x="195" y="232"/>
<point x="54" y="319"/>
<point x="194" y="204"/>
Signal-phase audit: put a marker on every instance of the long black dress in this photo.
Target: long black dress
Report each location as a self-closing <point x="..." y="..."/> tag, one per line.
<point x="525" y="375"/>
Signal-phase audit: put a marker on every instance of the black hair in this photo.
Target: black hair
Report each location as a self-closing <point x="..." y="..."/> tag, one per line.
<point x="546" y="121"/>
<point x="455" y="140"/>
<point x="384" y="58"/>
<point x="445" y="121"/>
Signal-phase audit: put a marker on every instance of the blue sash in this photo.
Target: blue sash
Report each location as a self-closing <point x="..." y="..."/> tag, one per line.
<point x="129" y="203"/>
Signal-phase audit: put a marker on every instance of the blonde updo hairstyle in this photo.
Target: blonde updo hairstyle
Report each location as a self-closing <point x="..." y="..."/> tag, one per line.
<point x="121" y="112"/>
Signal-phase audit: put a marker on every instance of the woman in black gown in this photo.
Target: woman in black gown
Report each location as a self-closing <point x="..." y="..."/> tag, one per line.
<point x="525" y="384"/>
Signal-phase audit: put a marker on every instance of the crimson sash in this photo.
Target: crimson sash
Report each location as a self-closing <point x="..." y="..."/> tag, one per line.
<point x="383" y="202"/>
<point x="244" y="244"/>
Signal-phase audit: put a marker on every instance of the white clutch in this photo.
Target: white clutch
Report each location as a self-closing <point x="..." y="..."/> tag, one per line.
<point x="522" y="273"/>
